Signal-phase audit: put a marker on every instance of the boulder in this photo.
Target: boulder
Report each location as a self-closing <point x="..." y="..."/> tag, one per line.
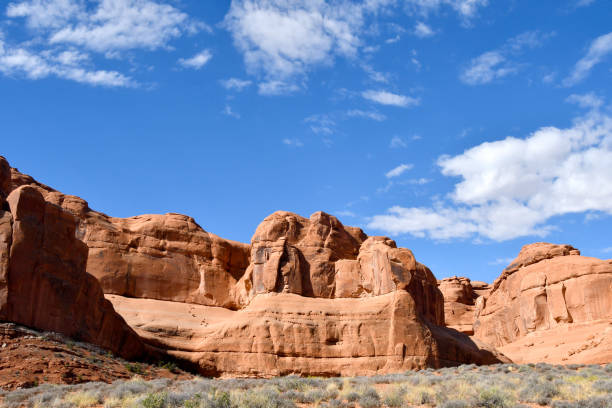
<point x="547" y="289"/>
<point x="44" y="284"/>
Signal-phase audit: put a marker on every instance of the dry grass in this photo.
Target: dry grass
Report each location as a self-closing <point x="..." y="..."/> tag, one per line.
<point x="497" y="386"/>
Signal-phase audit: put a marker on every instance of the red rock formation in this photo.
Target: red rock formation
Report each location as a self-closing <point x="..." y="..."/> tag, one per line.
<point x="315" y="297"/>
<point x="43" y="283"/>
<point x="547" y="290"/>
<point x="460" y="302"/>
<point x="284" y="333"/>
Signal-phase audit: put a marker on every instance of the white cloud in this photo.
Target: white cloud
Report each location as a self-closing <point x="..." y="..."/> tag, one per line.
<point x="465" y="8"/>
<point x="498" y="63"/>
<point x="375" y="75"/>
<point x="277" y="88"/>
<point x="513" y="187"/>
<point x="420" y="181"/>
<point x="110" y="25"/>
<point x="422" y="30"/>
<point x="282" y="40"/>
<point x="486" y="68"/>
<point x="501" y="261"/>
<point x="600" y="48"/>
<point x="589" y="100"/>
<point x="379" y="117"/>
<point x="293" y="142"/>
<point x="399" y="170"/>
<point x="388" y="98"/>
<point x="345" y="213"/>
<point x="197" y="61"/>
<point x="66" y="30"/>
<point x="236" y="84"/>
<point x="397" y="142"/>
<point x="230" y="112"/>
<point x="321" y="124"/>
<point x="20" y="62"/>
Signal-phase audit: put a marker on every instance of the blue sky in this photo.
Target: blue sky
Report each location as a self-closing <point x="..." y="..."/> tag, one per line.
<point x="463" y="129"/>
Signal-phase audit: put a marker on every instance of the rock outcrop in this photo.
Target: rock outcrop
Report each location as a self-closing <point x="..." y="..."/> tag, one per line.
<point x="461" y="301"/>
<point x="284" y="333"/>
<point x="43" y="282"/>
<point x="308" y="295"/>
<point x="549" y="290"/>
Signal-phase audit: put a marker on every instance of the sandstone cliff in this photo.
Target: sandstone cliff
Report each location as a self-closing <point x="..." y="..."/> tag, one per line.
<point x="43" y="283"/>
<point x="552" y="305"/>
<point x="307" y="296"/>
<point x="461" y="301"/>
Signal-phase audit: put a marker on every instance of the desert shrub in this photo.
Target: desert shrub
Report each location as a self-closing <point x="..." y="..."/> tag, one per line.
<point x="314" y="395"/>
<point x="394" y="397"/>
<point x="122" y="389"/>
<point x="336" y="403"/>
<point x="259" y="398"/>
<point x="455" y="404"/>
<point x="369" y="398"/>
<point x="596" y="402"/>
<point x="603" y="386"/>
<point x="155" y="400"/>
<point x="539" y="392"/>
<point x="608" y="368"/>
<point x="293" y="395"/>
<point x="352" y="396"/>
<point x="82" y="399"/>
<point x="494" y="398"/>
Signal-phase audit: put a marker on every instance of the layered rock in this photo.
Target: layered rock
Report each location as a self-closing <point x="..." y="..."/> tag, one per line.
<point x="460" y="302"/>
<point x="165" y="257"/>
<point x="547" y="289"/>
<point x="43" y="283"/>
<point x="308" y="295"/>
<point x="280" y="334"/>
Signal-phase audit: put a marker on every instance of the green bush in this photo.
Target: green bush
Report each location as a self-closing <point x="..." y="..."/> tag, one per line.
<point x="156" y="400"/>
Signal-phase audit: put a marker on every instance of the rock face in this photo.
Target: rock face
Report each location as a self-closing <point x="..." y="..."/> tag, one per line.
<point x="284" y="333"/>
<point x="547" y="290"/>
<point x="43" y="283"/>
<point x="308" y="295"/>
<point x="460" y="302"/>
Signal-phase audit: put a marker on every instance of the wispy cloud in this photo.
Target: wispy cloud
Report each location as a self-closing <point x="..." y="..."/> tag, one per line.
<point x="501" y="261"/>
<point x="110" y="25"/>
<point x="236" y="84"/>
<point x="599" y="49"/>
<point x="293" y="142"/>
<point x="71" y="65"/>
<point x="399" y="170"/>
<point x="65" y="29"/>
<point x="228" y="111"/>
<point x="498" y="63"/>
<point x="397" y="142"/>
<point x="321" y="124"/>
<point x="588" y="100"/>
<point x="197" y="61"/>
<point x="422" y="30"/>
<point x="379" y="117"/>
<point x="388" y="98"/>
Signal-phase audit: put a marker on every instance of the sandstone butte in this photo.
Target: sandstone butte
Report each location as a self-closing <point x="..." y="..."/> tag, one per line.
<point x="308" y="296"/>
<point x="549" y="305"/>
